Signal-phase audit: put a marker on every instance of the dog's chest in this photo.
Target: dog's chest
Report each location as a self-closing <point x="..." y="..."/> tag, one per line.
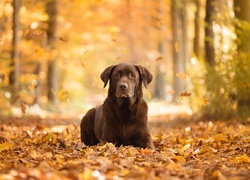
<point x="126" y="134"/>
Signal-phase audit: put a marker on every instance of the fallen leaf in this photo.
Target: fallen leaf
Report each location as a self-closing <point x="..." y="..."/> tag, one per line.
<point x="242" y="159"/>
<point x="174" y="167"/>
<point x="180" y="159"/>
<point x="6" y="146"/>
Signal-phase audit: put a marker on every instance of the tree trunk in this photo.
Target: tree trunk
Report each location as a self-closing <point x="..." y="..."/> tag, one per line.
<point x="242" y="13"/>
<point x="159" y="92"/>
<point x="15" y="62"/>
<point x="178" y="59"/>
<point x="184" y="25"/>
<point x="197" y="33"/>
<point x="52" y="75"/>
<point x="209" y="34"/>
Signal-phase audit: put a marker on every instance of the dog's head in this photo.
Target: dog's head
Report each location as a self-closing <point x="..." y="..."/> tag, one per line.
<point x="126" y="80"/>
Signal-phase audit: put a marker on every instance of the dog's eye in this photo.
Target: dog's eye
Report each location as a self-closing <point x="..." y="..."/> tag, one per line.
<point x="117" y="75"/>
<point x="131" y="75"/>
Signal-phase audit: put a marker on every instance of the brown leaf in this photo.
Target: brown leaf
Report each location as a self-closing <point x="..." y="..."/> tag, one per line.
<point x="23" y="108"/>
<point x="82" y="64"/>
<point x="185" y="94"/>
<point x="63" y="40"/>
<point x="2" y="77"/>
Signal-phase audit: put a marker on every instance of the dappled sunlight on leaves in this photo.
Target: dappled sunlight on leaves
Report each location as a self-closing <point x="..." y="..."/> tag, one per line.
<point x="42" y="150"/>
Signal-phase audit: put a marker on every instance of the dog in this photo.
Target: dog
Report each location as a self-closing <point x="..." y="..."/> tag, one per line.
<point x="122" y="118"/>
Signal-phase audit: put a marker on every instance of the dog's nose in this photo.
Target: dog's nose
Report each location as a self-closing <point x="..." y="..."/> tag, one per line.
<point x="123" y="85"/>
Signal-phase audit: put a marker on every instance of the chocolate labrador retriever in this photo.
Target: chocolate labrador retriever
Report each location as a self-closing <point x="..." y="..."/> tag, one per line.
<point x="122" y="119"/>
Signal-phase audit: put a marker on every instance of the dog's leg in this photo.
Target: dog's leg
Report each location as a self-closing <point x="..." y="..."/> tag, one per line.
<point x="143" y="139"/>
<point x="87" y="128"/>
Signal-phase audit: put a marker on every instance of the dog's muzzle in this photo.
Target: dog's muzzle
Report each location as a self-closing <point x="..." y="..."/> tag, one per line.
<point x="123" y="90"/>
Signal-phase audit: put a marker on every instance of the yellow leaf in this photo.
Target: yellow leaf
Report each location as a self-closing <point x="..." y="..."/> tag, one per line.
<point x="218" y="175"/>
<point x="87" y="174"/>
<point x="182" y="76"/>
<point x="174" y="167"/>
<point x="62" y="94"/>
<point x="148" y="94"/>
<point x="219" y="137"/>
<point x="176" y="45"/>
<point x="186" y="147"/>
<point x="39" y="51"/>
<point x="242" y="159"/>
<point x="180" y="159"/>
<point x="6" y="146"/>
<point x="124" y="172"/>
<point x="59" y="160"/>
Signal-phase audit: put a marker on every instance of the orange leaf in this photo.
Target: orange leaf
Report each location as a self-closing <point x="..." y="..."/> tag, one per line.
<point x="182" y="76"/>
<point x="159" y="24"/>
<point x="204" y="101"/>
<point x="159" y="58"/>
<point x="31" y="86"/>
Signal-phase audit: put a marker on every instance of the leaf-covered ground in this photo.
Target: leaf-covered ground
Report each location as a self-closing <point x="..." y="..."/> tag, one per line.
<point x="33" y="148"/>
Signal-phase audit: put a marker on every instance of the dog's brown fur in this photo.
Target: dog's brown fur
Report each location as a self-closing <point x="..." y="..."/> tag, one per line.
<point x="122" y="119"/>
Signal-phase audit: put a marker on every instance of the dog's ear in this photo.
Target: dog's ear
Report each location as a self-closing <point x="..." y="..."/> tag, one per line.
<point x="145" y="75"/>
<point x="106" y="74"/>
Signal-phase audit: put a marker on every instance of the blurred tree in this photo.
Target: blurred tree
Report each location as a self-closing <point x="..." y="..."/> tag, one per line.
<point x="209" y="34"/>
<point x="197" y="30"/>
<point x="242" y="13"/>
<point x="159" y="91"/>
<point x="52" y="76"/>
<point x="15" y="62"/>
<point x="177" y="46"/>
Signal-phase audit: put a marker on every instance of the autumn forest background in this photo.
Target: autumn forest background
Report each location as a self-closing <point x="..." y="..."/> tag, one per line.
<point x="52" y="54"/>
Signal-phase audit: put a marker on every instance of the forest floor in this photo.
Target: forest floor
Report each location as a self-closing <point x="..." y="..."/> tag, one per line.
<point x="187" y="147"/>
